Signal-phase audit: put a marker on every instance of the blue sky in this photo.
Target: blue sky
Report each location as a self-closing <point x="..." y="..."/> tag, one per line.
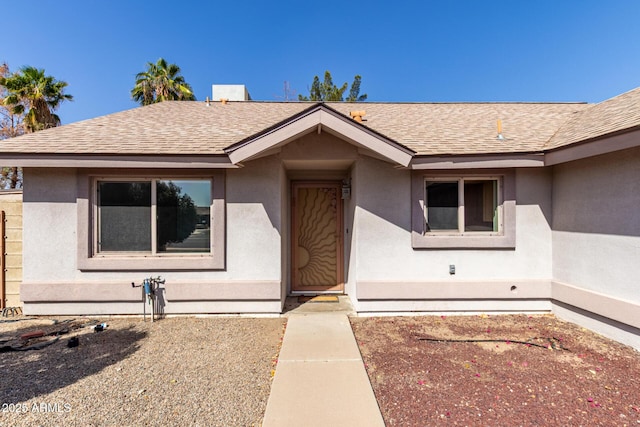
<point x="415" y="51"/>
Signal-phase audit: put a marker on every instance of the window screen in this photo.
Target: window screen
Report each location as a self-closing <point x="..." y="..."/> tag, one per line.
<point x="442" y="206"/>
<point x="124" y="211"/>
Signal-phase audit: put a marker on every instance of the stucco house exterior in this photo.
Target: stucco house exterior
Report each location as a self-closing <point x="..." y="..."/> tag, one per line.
<point x="404" y="207"/>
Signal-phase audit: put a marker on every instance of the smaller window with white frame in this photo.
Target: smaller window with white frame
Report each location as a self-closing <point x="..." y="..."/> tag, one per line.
<point x="153" y="216"/>
<point x="463" y="205"/>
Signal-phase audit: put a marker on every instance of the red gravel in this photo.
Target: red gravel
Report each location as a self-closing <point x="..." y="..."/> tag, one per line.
<point x="587" y="380"/>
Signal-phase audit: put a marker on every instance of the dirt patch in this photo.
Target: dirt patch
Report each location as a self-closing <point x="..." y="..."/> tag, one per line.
<point x="574" y="377"/>
<point x="175" y="371"/>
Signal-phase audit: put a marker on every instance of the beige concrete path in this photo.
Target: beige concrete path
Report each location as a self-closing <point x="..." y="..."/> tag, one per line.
<point x="320" y="378"/>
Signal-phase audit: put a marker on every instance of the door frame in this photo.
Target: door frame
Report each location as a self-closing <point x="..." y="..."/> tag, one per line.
<point x="339" y="287"/>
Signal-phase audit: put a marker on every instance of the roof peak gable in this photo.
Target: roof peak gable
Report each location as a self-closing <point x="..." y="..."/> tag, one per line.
<point x="319" y="116"/>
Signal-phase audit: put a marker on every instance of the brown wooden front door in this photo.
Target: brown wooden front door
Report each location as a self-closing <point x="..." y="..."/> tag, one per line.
<point x="316" y="247"/>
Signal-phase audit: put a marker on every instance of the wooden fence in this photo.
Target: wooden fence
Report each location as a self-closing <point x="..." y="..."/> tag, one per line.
<point x="10" y="248"/>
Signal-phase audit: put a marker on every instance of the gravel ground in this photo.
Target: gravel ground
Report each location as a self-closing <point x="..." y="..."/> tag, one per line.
<point x="217" y="372"/>
<point x="582" y="380"/>
<point x="176" y="371"/>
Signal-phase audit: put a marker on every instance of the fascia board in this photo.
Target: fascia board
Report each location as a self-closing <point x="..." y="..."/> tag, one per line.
<point x="359" y="136"/>
<point x="597" y="147"/>
<point x="279" y="136"/>
<point x="116" y="161"/>
<point x="329" y="122"/>
<point x="479" y="161"/>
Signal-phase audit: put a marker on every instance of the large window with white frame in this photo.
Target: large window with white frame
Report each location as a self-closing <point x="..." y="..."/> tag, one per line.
<point x="156" y="217"/>
<point x="462" y="205"/>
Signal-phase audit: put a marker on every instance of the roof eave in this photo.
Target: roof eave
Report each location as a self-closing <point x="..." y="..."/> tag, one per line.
<point x="478" y="161"/>
<point x="603" y="144"/>
<point x="319" y="117"/>
<point x="118" y="161"/>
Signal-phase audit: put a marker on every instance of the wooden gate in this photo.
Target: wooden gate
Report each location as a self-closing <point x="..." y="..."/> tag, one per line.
<point x="10" y="248"/>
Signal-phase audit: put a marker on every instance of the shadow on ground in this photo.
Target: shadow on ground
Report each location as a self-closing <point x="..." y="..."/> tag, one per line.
<point x="302" y="305"/>
<point x="29" y="374"/>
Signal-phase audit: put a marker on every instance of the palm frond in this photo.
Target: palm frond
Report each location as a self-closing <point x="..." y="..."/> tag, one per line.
<point x="161" y="82"/>
<point x="31" y="90"/>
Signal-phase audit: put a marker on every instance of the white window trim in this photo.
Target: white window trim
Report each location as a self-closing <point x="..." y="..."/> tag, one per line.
<point x="460" y="180"/>
<point x="505" y="238"/>
<point x="88" y="257"/>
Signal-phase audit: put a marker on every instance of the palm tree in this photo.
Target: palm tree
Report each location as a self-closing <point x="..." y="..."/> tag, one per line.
<point x="10" y="124"/>
<point x="161" y="82"/>
<point x="36" y="95"/>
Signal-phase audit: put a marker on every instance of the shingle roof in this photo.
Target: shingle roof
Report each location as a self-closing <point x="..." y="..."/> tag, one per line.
<point x="466" y="128"/>
<point x="191" y="128"/>
<point x="185" y="127"/>
<point x="613" y="115"/>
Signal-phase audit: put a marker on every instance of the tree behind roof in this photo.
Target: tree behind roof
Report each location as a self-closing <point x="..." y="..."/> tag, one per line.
<point x="10" y="124"/>
<point x="32" y="93"/>
<point x="28" y="99"/>
<point x="161" y="82"/>
<point x="328" y="91"/>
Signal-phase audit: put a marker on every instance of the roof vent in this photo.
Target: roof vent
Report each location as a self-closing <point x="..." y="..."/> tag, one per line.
<point x="500" y="136"/>
<point x="230" y="93"/>
<point x="358" y="116"/>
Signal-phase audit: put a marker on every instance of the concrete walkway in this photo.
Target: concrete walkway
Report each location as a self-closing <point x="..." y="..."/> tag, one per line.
<point x="320" y="379"/>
